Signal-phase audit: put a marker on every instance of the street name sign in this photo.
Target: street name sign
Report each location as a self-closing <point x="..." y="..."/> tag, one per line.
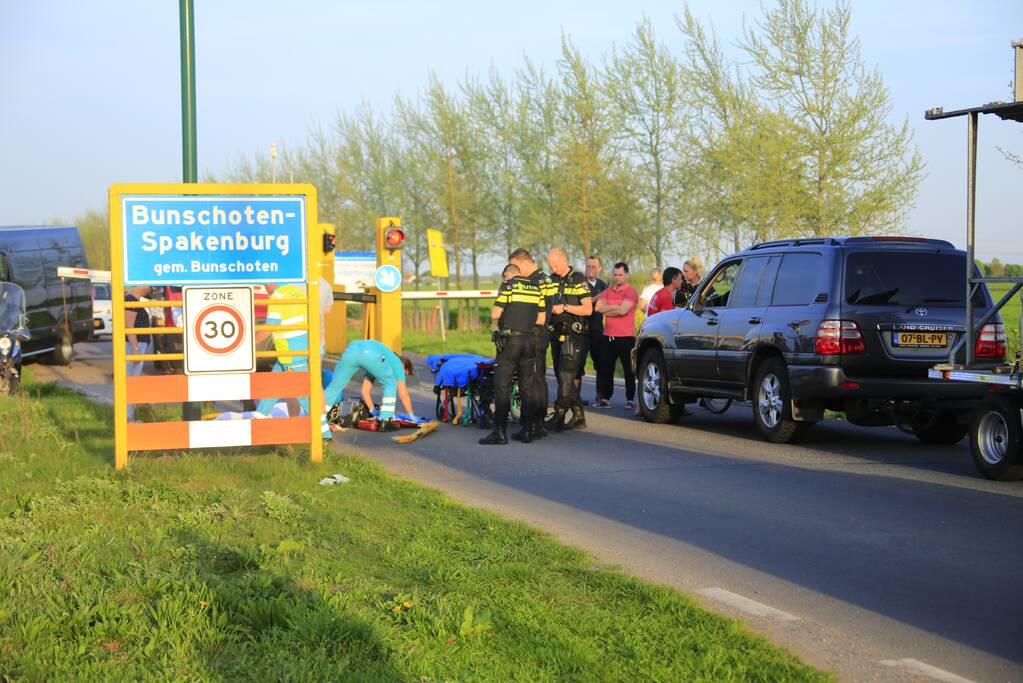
<point x="219" y="336"/>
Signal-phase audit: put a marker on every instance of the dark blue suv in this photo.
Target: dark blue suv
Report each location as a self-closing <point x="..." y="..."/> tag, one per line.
<point x="798" y="327"/>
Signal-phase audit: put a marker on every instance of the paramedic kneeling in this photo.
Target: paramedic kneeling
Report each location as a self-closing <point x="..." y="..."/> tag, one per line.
<point x="519" y="308"/>
<point x="380" y="364"/>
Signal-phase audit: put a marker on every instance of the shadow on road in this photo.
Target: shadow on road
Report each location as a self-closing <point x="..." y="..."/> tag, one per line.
<point x="936" y="556"/>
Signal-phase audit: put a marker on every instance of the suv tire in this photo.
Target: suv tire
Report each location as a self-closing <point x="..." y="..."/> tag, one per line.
<point x="946" y="430"/>
<point x="772" y="403"/>
<point x="654" y="402"/>
<point x="996" y="440"/>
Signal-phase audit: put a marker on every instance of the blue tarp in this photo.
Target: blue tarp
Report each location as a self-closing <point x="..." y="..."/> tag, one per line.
<point x="455" y="369"/>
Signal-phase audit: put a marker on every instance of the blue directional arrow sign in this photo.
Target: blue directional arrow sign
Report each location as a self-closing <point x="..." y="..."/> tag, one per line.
<point x="387" y="278"/>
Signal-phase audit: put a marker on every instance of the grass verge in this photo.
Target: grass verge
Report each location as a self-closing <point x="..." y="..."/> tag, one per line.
<point x="239" y="567"/>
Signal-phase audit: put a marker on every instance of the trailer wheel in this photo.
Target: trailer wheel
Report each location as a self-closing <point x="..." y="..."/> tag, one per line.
<point x="996" y="440"/>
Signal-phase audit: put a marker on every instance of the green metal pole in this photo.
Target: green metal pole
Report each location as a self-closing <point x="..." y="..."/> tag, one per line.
<point x="189" y="163"/>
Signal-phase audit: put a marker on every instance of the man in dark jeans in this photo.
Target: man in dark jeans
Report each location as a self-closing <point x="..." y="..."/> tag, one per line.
<point x="595" y="341"/>
<point x="618" y="304"/>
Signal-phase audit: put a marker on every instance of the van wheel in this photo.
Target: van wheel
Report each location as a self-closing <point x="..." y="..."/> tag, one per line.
<point x="772" y="403"/>
<point x="996" y="440"/>
<point x="61" y="355"/>
<point x="654" y="402"/>
<point x="945" y="430"/>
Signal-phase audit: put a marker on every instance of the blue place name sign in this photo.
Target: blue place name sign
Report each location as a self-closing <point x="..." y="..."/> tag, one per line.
<point x="213" y="239"/>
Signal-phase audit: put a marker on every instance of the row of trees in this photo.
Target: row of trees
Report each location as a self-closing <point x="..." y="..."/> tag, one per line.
<point x="654" y="150"/>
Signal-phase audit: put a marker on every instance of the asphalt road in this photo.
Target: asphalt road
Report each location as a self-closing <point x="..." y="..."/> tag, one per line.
<point x="862" y="550"/>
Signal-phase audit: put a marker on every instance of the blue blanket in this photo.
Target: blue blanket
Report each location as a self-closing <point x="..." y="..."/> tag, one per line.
<point x="455" y="369"/>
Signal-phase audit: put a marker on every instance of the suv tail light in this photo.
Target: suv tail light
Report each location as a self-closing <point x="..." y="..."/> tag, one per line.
<point x="839" y="338"/>
<point x="991" y="341"/>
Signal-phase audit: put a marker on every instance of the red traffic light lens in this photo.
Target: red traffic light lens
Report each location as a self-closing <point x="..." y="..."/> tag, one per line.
<point x="394" y="238"/>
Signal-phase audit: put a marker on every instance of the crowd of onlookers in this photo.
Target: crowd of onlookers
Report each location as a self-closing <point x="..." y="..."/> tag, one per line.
<point x="617" y="311"/>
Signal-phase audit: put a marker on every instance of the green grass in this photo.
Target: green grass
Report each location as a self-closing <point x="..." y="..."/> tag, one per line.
<point x="1010" y="316"/>
<point x="238" y="566"/>
<point x="478" y="342"/>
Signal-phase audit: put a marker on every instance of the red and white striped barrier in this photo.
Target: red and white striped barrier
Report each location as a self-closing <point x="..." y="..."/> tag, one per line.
<point x="152" y="436"/>
<point x="452" y="294"/>
<point x="84" y="274"/>
<point x="159" y="436"/>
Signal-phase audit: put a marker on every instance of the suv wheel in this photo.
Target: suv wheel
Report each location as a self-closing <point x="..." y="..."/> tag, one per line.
<point x="996" y="440"/>
<point x="772" y="403"/>
<point x="653" y="389"/>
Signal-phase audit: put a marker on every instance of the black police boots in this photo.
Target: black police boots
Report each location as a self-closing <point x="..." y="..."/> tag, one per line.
<point x="498" y="437"/>
<point x="556" y="422"/>
<point x="538" y="431"/>
<point x="525" y="433"/>
<point x="578" y="420"/>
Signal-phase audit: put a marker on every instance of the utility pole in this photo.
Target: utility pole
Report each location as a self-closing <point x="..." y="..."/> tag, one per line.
<point x="189" y="163"/>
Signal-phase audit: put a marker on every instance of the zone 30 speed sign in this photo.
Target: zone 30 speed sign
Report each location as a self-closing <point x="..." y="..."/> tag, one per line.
<point x="218" y="330"/>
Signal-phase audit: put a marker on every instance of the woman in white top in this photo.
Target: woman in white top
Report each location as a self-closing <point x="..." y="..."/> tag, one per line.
<point x="649" y="289"/>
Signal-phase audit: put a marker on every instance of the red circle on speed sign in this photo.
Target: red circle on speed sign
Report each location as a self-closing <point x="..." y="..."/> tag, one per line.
<point x="223" y="333"/>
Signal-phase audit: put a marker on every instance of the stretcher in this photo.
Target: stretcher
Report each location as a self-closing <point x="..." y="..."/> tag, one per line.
<point x="463" y="384"/>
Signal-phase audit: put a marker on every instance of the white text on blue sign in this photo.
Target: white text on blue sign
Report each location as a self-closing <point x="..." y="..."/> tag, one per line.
<point x="213" y="239"/>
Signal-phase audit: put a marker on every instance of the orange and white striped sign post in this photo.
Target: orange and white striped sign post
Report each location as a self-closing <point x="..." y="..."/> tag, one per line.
<point x="221" y="237"/>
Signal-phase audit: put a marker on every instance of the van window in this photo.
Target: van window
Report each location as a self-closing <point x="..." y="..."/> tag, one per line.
<point x="800" y="280"/>
<point x="878" y="278"/>
<point x="101" y="291"/>
<point x="745" y="292"/>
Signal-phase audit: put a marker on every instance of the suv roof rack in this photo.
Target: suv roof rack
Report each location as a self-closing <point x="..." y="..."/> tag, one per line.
<point x="899" y="238"/>
<point x="829" y="241"/>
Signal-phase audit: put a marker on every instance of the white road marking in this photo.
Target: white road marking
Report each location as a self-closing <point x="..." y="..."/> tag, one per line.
<point x="924" y="669"/>
<point x="743" y="604"/>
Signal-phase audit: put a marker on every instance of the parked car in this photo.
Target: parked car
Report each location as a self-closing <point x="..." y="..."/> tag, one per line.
<point x="59" y="312"/>
<point x="803" y="326"/>
<point x="101" y="309"/>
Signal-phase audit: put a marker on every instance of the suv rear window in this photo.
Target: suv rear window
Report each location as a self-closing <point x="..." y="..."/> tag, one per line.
<point x="899" y="278"/>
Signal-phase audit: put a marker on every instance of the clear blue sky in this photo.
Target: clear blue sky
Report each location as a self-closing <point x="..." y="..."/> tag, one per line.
<point x="90" y="90"/>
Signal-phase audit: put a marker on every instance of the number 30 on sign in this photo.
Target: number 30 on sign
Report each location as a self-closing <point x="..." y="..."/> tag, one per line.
<point x="218" y="330"/>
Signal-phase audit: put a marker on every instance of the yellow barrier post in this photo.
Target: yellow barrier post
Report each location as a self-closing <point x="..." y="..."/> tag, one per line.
<point x="387" y="315"/>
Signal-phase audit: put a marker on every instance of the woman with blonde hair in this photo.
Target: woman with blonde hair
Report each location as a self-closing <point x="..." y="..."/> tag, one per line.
<point x="692" y="274"/>
<point x="649" y="289"/>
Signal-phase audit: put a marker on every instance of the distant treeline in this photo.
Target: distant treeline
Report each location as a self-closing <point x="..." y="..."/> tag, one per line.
<point x="661" y="148"/>
<point x="998" y="269"/>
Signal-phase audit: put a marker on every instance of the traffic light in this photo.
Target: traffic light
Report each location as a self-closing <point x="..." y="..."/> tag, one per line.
<point x="394" y="238"/>
<point x="328" y="242"/>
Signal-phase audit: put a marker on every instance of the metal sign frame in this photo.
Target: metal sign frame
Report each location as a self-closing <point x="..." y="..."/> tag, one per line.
<point x="297" y="430"/>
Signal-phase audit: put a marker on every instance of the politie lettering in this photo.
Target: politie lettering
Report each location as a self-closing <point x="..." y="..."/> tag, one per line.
<point x="195" y="242"/>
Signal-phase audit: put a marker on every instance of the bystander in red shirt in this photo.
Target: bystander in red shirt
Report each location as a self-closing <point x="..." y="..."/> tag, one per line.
<point x="663" y="301"/>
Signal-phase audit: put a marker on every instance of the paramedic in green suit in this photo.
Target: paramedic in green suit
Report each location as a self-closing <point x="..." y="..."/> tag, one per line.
<point x="380" y="364"/>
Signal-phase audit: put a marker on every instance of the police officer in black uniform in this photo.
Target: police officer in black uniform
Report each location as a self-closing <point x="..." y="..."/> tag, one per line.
<point x="519" y="308"/>
<point x="571" y="305"/>
<point x="541" y="340"/>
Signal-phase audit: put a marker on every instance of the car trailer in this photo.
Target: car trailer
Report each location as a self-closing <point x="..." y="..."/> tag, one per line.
<point x="996" y="431"/>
